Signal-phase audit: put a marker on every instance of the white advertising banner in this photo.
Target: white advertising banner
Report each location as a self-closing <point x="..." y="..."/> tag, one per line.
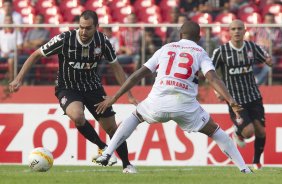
<point x="26" y="126"/>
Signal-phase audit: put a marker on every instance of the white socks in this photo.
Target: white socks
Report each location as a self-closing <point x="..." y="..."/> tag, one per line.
<point x="228" y="147"/>
<point x="124" y="130"/>
<point x="220" y="137"/>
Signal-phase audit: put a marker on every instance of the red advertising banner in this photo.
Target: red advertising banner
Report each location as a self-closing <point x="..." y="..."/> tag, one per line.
<point x="32" y="118"/>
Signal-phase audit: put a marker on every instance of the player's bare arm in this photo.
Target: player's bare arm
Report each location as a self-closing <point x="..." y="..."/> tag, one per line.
<point x="121" y="78"/>
<point x="221" y="89"/>
<point x="218" y="96"/>
<point x="17" y="82"/>
<point x="128" y="84"/>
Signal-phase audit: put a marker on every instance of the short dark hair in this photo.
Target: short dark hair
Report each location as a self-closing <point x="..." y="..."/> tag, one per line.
<point x="90" y="14"/>
<point x="190" y="30"/>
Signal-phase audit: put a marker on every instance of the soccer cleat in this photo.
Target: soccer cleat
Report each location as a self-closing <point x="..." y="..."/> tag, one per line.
<point x="103" y="159"/>
<point x="130" y="169"/>
<point x="239" y="140"/>
<point x="112" y="161"/>
<point x="247" y="171"/>
<point x="257" y="166"/>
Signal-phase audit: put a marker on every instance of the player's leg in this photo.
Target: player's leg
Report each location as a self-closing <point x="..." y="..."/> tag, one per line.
<point x="196" y="119"/>
<point x="259" y="144"/>
<point x="243" y="128"/>
<point x="257" y="113"/>
<point x="124" y="130"/>
<point x="118" y="142"/>
<point x="225" y="143"/>
<point x="72" y="104"/>
<point x="109" y="125"/>
<point x="107" y="122"/>
<point x="75" y="111"/>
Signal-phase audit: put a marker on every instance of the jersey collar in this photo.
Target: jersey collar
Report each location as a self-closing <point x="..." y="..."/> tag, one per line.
<point x="238" y="49"/>
<point x="185" y="40"/>
<point x="78" y="39"/>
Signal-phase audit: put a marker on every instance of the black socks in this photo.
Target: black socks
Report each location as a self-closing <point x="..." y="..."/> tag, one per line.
<point x="259" y="147"/>
<point x="90" y="134"/>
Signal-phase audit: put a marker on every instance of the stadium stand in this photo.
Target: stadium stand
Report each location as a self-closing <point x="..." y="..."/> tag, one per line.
<point x="251" y="18"/>
<point x="166" y="7"/>
<point x="225" y="18"/>
<point x="202" y="18"/>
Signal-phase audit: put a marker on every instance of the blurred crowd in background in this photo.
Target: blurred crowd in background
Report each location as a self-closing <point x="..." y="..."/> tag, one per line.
<point x="134" y="45"/>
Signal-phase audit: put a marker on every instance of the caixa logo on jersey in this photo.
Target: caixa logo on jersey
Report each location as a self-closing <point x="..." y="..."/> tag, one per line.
<point x="82" y="65"/>
<point x="240" y="70"/>
<point x="52" y="42"/>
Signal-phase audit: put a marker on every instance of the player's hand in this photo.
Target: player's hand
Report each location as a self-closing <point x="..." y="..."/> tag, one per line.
<point x="102" y="106"/>
<point x="14" y="86"/>
<point x="236" y="108"/>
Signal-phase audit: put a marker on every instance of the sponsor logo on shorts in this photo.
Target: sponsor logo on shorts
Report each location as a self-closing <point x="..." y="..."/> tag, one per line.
<point x="239" y="121"/>
<point x="64" y="100"/>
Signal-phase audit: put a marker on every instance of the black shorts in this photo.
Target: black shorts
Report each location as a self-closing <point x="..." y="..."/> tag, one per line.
<point x="89" y="99"/>
<point x="252" y="111"/>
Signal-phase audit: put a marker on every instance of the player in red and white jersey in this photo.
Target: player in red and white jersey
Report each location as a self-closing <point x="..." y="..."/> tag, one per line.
<point x="177" y="65"/>
<point x="173" y="96"/>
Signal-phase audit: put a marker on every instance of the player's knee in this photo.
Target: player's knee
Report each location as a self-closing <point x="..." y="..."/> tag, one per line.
<point x="78" y="118"/>
<point x="111" y="130"/>
<point x="260" y="132"/>
<point x="248" y="131"/>
<point x="259" y="129"/>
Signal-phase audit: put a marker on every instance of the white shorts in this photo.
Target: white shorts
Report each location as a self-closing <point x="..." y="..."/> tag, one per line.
<point x="191" y="119"/>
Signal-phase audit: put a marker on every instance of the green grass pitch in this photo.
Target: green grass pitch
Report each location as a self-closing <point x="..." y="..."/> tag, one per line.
<point x="146" y="174"/>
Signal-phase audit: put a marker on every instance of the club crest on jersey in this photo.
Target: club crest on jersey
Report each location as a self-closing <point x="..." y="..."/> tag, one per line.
<point x="250" y="54"/>
<point x="97" y="50"/>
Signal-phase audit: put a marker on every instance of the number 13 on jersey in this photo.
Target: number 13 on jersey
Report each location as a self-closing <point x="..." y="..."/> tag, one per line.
<point x="186" y="65"/>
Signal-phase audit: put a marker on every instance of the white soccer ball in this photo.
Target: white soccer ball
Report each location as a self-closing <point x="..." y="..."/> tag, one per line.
<point x="40" y="159"/>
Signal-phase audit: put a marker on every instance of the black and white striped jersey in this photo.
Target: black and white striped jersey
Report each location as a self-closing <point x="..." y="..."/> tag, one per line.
<point x="237" y="71"/>
<point x="77" y="61"/>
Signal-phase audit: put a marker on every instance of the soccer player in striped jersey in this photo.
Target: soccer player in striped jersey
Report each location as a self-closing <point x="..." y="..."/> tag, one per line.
<point x="173" y="96"/>
<point x="78" y="85"/>
<point x="235" y="60"/>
